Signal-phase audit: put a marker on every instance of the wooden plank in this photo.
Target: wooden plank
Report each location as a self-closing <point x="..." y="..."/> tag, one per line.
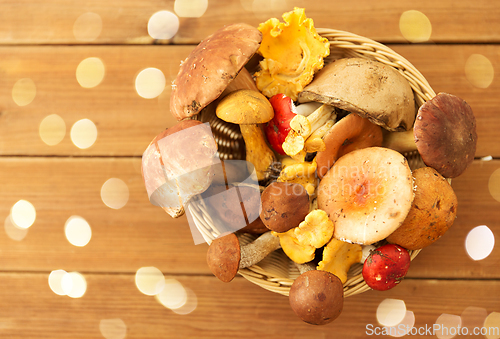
<point x="141" y="234"/>
<point x="123" y="240"/>
<point x="235" y="310"/>
<point x="52" y="22"/>
<point x="126" y="123"/>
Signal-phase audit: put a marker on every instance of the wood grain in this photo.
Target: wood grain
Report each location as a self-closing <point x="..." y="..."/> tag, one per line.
<point x="125" y="22"/>
<point x="126" y="123"/>
<point x="141" y="234"/>
<point x="235" y="310"/>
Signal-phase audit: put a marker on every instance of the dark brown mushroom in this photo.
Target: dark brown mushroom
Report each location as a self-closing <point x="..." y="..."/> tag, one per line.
<point x="225" y="256"/>
<point x="444" y="135"/>
<point x="317" y="297"/>
<point x="284" y="206"/>
<point x="211" y="66"/>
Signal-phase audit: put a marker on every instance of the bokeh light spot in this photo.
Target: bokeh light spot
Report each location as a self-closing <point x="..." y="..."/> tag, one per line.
<point x="173" y="295"/>
<point x="113" y="328"/>
<point x="74" y="284"/>
<point x="404" y="327"/>
<point x="52" y="129"/>
<point x="90" y="72"/>
<point x="190" y="304"/>
<point x="23" y="214"/>
<point x="114" y="193"/>
<point x="150" y="83"/>
<point x="55" y="281"/>
<point x="473" y="317"/>
<point x="77" y="231"/>
<point x="494" y="184"/>
<point x="83" y="133"/>
<point x="391" y="312"/>
<point x="24" y="92"/>
<point x="190" y="8"/>
<point x="479" y="242"/>
<point x="13" y="231"/>
<point x="149" y="280"/>
<point x="492" y="326"/>
<point x="87" y="27"/>
<point x="447" y="326"/>
<point x="415" y="26"/>
<point x="163" y="25"/>
<point x="479" y="71"/>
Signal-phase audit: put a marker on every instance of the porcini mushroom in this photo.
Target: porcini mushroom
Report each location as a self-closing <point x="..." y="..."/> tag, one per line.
<point x="367" y="194"/>
<point x="366" y="87"/>
<point x="348" y="134"/>
<point x="432" y="213"/>
<point x="250" y="109"/>
<point x="317" y="297"/>
<point x="170" y="177"/>
<point x="226" y="256"/>
<point x="211" y="66"/>
<point x="444" y="135"/>
<point x="284" y="206"/>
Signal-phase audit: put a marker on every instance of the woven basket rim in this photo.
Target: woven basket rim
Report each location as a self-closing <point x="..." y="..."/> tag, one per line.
<point x="266" y="274"/>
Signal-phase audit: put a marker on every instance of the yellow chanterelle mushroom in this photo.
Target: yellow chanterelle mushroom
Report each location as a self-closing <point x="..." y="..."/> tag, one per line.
<point x="338" y="257"/>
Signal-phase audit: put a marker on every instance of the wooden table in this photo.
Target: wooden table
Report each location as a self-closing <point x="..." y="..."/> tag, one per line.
<point x="42" y="43"/>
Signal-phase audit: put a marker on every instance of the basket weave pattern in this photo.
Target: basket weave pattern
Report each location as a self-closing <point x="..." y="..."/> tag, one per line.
<point x="277" y="272"/>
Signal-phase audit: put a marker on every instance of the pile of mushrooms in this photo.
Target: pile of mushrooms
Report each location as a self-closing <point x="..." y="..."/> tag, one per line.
<point x="343" y="186"/>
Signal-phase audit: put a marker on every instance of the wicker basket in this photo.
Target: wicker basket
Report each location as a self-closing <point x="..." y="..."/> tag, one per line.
<point x="277" y="272"/>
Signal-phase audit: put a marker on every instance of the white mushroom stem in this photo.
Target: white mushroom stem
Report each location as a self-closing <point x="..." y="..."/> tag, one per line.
<point x="400" y="141"/>
<point x="305" y="126"/>
<point x="258" y="249"/>
<point x="303" y="268"/>
<point x="315" y="142"/>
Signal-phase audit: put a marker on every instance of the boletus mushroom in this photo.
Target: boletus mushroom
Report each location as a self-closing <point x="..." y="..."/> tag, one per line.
<point x="284" y="206"/>
<point x="226" y="256"/>
<point x="317" y="297"/>
<point x="211" y="67"/>
<point x="367" y="194"/>
<point x="366" y="87"/>
<point x="432" y="213"/>
<point x="250" y="109"/>
<point x="444" y="135"/>
<point x="172" y="178"/>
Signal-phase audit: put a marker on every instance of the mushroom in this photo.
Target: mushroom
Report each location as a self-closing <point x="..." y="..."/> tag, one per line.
<point x="170" y="177"/>
<point x="301" y="242"/>
<point x="210" y="68"/>
<point x="226" y="256"/>
<point x="367" y="194"/>
<point x="432" y="213"/>
<point x="348" y="134"/>
<point x="317" y="297"/>
<point x="366" y="87"/>
<point x="250" y="109"/>
<point x="444" y="135"/>
<point x="299" y="172"/>
<point x="339" y="256"/>
<point x="284" y="206"/>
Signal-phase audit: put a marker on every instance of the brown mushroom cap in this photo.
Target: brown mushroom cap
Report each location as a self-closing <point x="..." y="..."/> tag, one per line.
<point x="445" y="134"/>
<point x="371" y="89"/>
<point x="284" y="206"/>
<point x="171" y="178"/>
<point x="367" y="194"/>
<point x="223" y="257"/>
<point x="317" y="297"/>
<point x="348" y="134"/>
<point x="211" y="66"/>
<point x="432" y="213"/>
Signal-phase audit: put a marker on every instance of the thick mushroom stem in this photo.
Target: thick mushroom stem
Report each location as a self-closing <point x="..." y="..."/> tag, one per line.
<point x="306" y="267"/>
<point x="402" y="142"/>
<point x="258" y="249"/>
<point x="258" y="152"/>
